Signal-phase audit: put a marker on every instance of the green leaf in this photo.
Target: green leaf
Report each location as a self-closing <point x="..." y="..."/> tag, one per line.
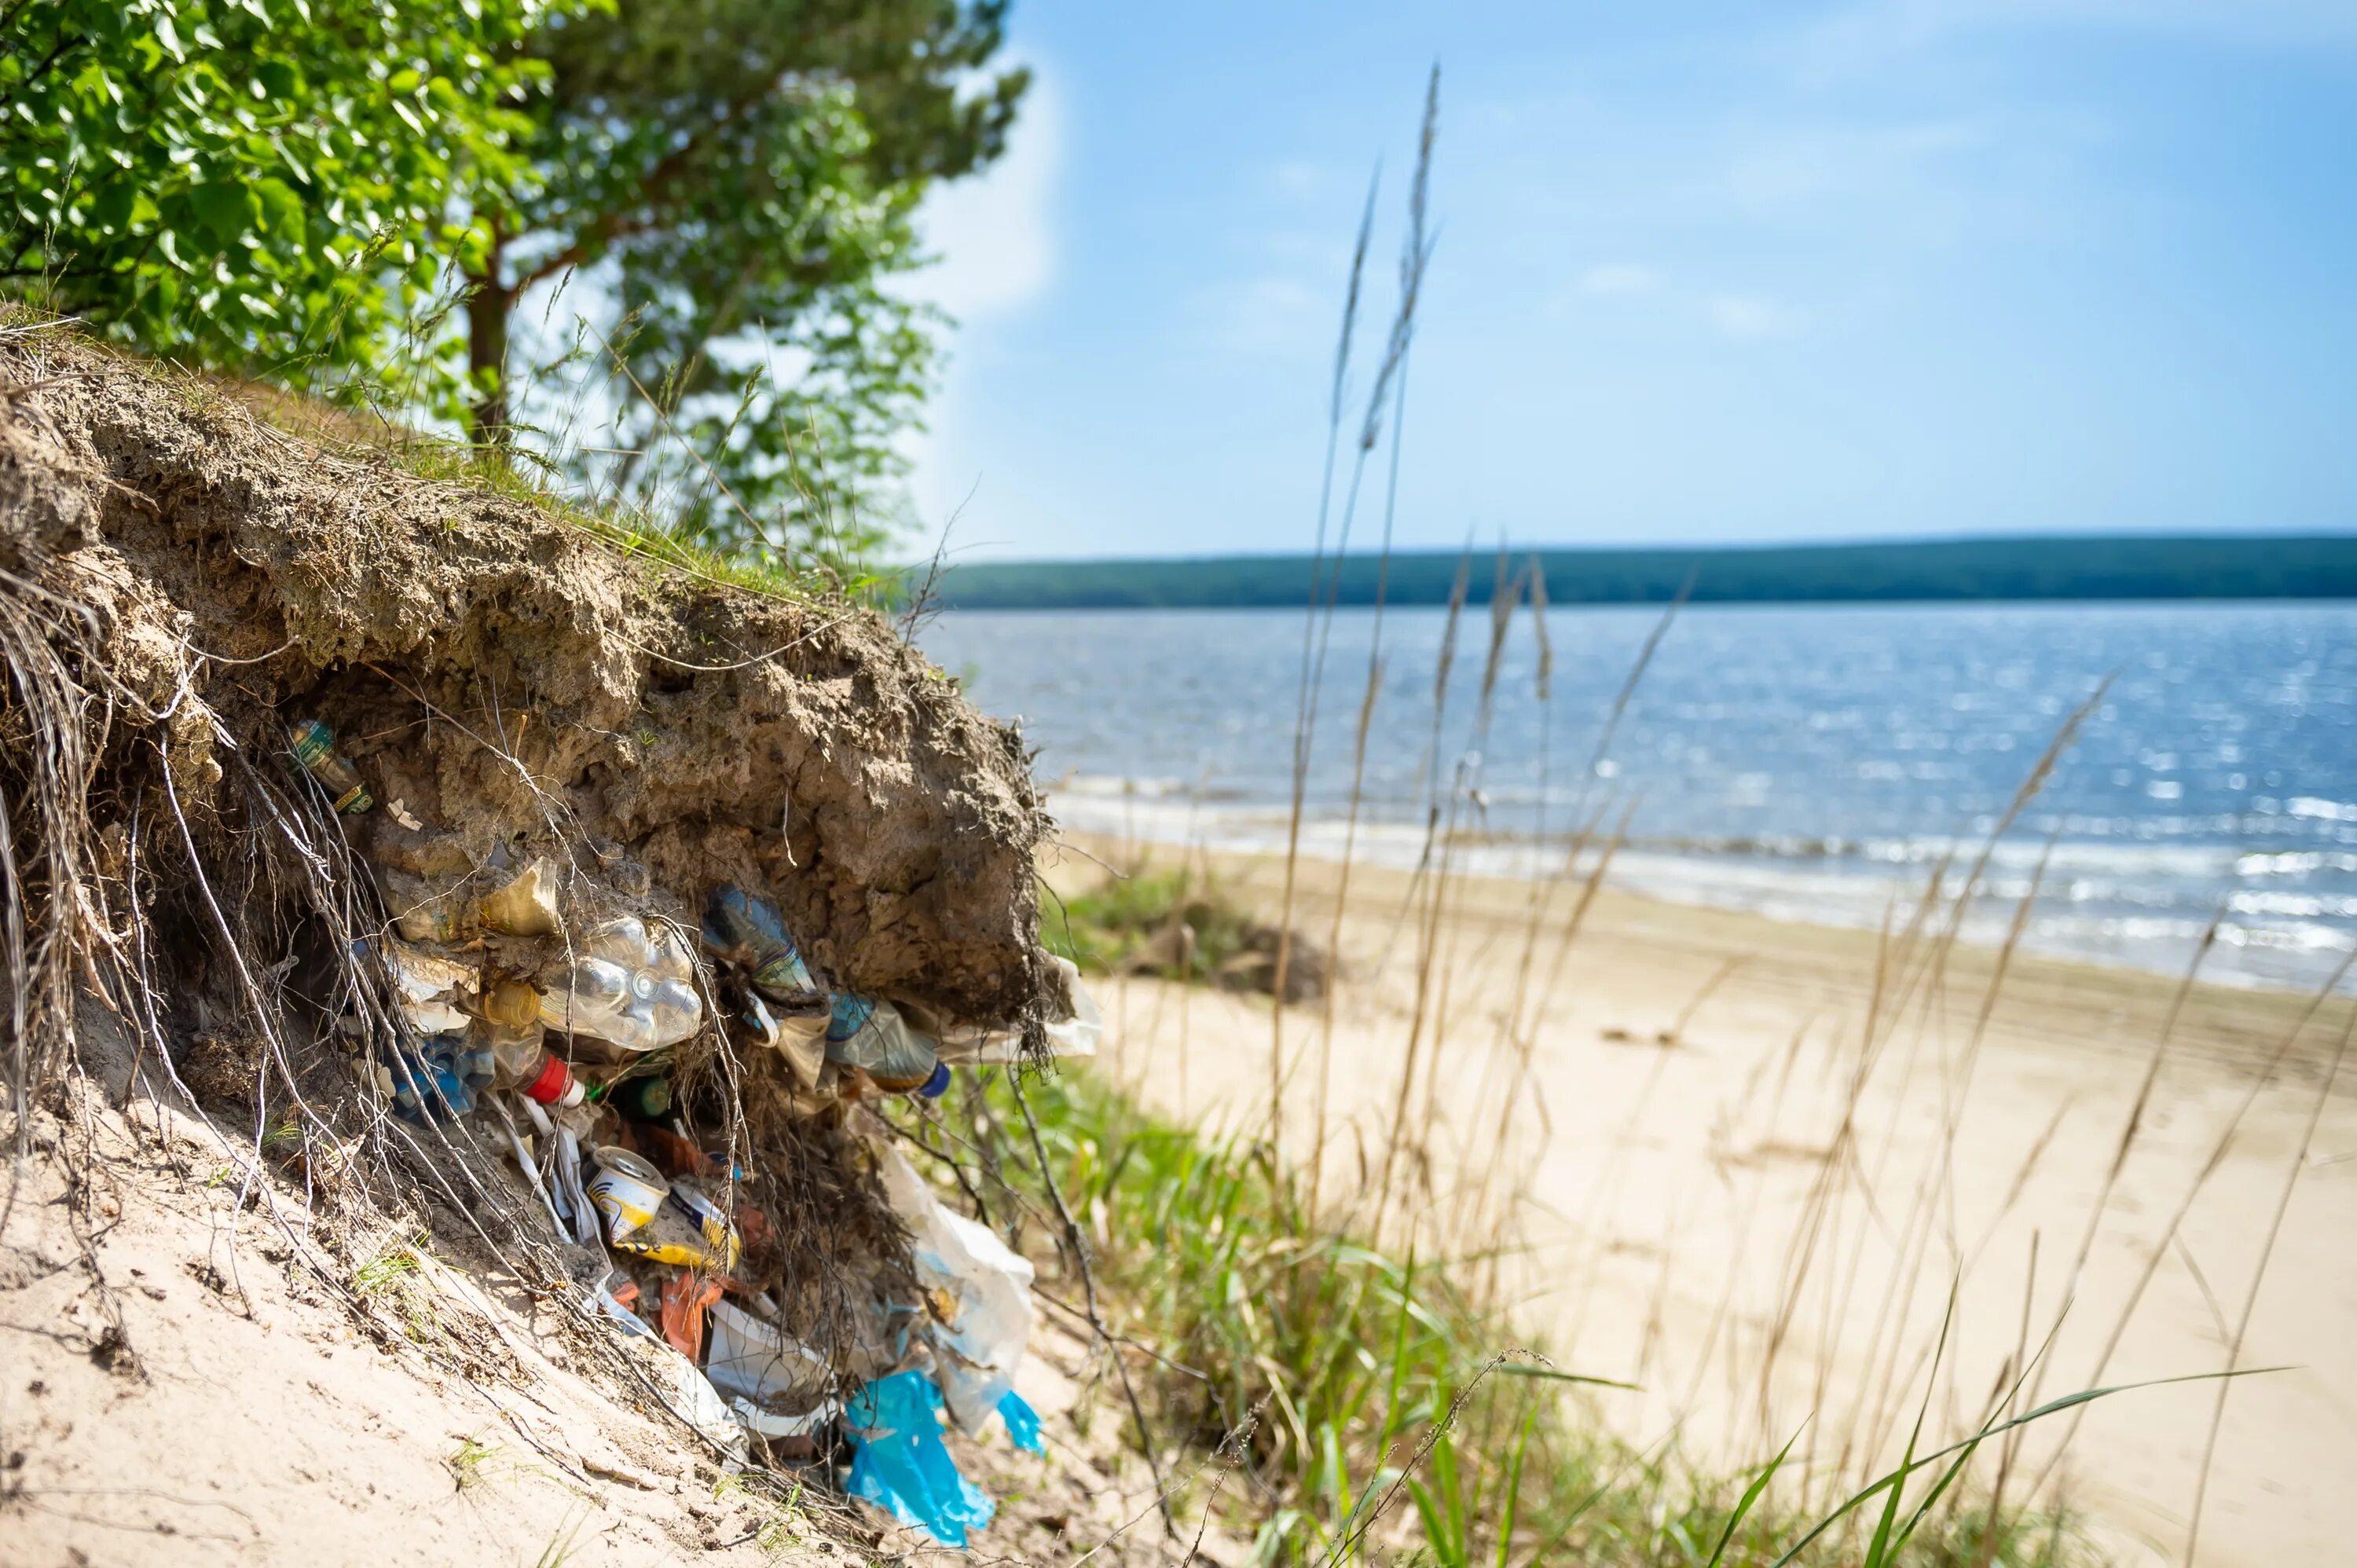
<point x="1750" y="1500"/>
<point x="280" y="210"/>
<point x="228" y="210"/>
<point x="112" y="207"/>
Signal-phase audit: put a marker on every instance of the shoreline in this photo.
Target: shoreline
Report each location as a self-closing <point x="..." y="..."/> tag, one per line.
<point x="1845" y="890"/>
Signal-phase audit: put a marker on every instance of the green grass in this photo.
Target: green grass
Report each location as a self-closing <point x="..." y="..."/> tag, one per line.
<point x="466" y="1467"/>
<point x="1129" y="923"/>
<point x="1388" y="1412"/>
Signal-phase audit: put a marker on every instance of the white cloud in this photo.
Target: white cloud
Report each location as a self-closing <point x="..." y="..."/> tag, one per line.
<point x="1619" y="278"/>
<point x="1750" y="315"/>
<point x="996" y="233"/>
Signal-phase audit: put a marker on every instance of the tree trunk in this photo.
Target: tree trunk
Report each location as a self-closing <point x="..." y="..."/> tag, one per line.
<point x="487" y="354"/>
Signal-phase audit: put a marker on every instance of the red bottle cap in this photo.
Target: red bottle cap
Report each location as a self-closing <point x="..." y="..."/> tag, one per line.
<point x="549" y="1084"/>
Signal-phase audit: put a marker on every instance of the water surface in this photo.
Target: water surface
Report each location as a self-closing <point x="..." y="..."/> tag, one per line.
<point x="1806" y="762"/>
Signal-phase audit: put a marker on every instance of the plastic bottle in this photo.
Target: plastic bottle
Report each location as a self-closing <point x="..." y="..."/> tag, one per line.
<point x="646" y="1098"/>
<point x="525" y="906"/>
<point x="874" y="1036"/>
<point x="315" y="752"/>
<point x="439" y="1077"/>
<point x="523" y="1064"/>
<point x="624" y="986"/>
<point x="744" y="929"/>
<point x="516" y="1053"/>
<point x="552" y="1082"/>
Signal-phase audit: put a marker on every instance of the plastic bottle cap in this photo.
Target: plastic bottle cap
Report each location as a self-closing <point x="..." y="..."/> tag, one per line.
<point x="553" y="1082"/>
<point x="936" y="1084"/>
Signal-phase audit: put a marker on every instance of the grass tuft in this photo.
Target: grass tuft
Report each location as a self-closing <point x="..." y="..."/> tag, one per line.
<point x="1377" y="1405"/>
<point x="1183" y="925"/>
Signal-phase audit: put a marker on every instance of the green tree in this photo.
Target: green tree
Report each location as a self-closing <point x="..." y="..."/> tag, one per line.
<point x="271" y="186"/>
<point x="741" y="176"/>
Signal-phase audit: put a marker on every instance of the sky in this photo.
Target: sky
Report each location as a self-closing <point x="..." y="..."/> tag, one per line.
<point x="1704" y="273"/>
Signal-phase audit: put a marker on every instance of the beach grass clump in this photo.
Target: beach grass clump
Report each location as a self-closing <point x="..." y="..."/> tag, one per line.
<point x="1339" y="1401"/>
<point x="1180" y="924"/>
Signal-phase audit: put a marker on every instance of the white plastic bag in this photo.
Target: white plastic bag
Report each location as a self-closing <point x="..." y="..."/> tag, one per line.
<point x="981" y="1294"/>
<point x="1074" y="1034"/>
<point x="762" y="1373"/>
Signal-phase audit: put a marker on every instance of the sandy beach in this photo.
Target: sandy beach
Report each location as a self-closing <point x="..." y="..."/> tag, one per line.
<point x="1742" y="1164"/>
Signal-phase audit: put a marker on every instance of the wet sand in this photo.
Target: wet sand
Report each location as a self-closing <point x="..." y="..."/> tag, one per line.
<point x="1740" y="1163"/>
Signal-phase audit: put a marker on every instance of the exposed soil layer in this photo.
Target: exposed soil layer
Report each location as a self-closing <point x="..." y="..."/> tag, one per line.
<point x="514" y="685"/>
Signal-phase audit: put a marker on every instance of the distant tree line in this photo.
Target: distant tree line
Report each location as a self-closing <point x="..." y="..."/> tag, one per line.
<point x="2080" y="567"/>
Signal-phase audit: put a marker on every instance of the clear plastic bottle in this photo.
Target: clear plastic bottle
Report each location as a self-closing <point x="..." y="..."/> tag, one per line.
<point x="623" y="986"/>
<point x="873" y="1036"/>
<point x="516" y="1052"/>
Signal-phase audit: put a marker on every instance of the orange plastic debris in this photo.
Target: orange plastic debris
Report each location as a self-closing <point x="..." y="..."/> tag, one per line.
<point x="684" y="1296"/>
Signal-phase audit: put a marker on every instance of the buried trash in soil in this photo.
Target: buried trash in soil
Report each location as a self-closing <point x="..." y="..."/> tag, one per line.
<point x="584" y="909"/>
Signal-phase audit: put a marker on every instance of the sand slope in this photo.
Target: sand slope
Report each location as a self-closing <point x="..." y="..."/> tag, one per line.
<point x="199" y="1400"/>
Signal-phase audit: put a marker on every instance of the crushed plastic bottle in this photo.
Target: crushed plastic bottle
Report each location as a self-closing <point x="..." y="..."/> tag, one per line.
<point x="623" y="986"/>
<point x="525" y="906"/>
<point x="315" y="753"/>
<point x="872" y="1036"/>
<point x="743" y="929"/>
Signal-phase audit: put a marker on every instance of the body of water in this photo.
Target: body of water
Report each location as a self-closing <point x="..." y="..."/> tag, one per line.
<point x="1804" y="762"/>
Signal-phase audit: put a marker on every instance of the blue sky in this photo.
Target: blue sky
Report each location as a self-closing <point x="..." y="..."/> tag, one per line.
<point x="1709" y="272"/>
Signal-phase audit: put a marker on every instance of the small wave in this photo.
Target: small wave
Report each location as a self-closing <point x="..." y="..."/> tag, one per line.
<point x="2294" y="863"/>
<point x="1116" y="786"/>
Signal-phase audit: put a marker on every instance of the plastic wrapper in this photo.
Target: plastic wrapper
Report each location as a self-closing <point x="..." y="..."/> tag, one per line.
<point x="753" y="1364"/>
<point x="899" y="1462"/>
<point x="429" y="989"/>
<point x="979" y="1294"/>
<point x="1022" y="1422"/>
<point x="1074" y="1034"/>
